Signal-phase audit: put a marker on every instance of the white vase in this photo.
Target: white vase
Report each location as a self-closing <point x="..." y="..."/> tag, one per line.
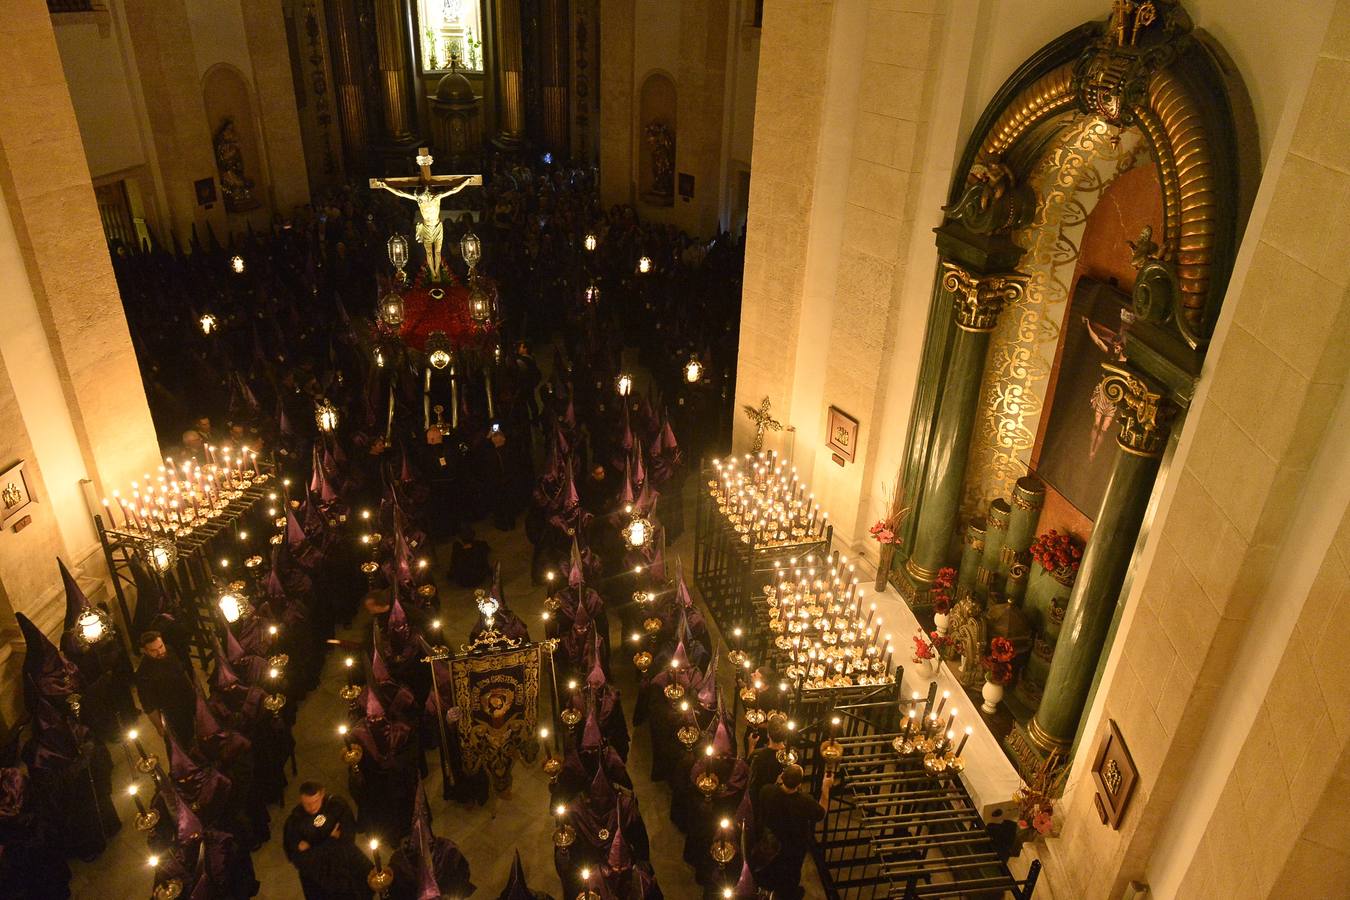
<point x="940" y="622"/>
<point x="992" y="694"/>
<point x="926" y="669"/>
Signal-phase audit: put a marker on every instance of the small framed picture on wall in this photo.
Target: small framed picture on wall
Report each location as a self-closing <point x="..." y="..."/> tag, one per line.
<point x="841" y="432"/>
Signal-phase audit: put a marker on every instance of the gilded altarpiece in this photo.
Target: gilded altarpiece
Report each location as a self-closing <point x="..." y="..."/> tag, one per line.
<point x="1068" y="181"/>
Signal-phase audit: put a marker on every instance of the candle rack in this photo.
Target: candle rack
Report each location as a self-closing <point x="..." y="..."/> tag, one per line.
<point x="177" y="550"/>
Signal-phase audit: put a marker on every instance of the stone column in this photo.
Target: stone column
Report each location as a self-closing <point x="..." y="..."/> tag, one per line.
<point x="976" y="301"/>
<point x="554" y="39"/>
<point x="344" y="26"/>
<point x="391" y="33"/>
<point x="1144" y="416"/>
<point x="510" y="74"/>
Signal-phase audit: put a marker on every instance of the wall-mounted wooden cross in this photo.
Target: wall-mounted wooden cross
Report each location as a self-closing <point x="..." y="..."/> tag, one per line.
<point x="763" y="421"/>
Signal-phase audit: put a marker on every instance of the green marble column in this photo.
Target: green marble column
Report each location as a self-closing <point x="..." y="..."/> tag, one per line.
<point x="1028" y="497"/>
<point x="1144" y="416"/>
<point x="977" y="301"/>
<point x="972" y="548"/>
<point x="987" y="579"/>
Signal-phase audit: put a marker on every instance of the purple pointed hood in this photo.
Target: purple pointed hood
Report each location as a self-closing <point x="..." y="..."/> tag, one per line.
<point x="76" y="601"/>
<point x="46" y="668"/>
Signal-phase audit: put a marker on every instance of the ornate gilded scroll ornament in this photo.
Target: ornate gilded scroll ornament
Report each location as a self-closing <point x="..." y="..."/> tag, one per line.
<point x="1144" y="414"/>
<point x="993" y="201"/>
<point x="977" y="300"/>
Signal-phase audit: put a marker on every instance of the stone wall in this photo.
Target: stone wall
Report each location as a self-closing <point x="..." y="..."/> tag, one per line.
<point x="700" y="46"/>
<point x="71" y="401"/>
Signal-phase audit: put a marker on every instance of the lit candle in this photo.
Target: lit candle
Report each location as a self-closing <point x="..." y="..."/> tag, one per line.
<point x="135" y="795"/>
<point x="135" y="737"/>
<point x="375" y="849"/>
<point x="965" y="737"/>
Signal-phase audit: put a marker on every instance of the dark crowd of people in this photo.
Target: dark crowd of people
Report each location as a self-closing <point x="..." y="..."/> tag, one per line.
<point x="274" y="341"/>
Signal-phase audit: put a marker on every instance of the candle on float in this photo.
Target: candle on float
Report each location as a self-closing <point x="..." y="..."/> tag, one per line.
<point x="946" y="695"/>
<point x="951" y="720"/>
<point x="135" y="737"/>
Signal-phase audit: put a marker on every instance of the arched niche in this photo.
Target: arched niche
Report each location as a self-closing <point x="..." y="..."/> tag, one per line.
<point x="656" y="134"/>
<point x="1140" y="117"/>
<point x="236" y="145"/>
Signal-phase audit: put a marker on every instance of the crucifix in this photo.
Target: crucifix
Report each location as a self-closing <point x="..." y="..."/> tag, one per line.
<point x="762" y="420"/>
<point x="428" y="199"/>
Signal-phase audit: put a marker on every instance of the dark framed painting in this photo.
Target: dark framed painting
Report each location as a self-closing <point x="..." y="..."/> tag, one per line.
<point x="14" y="494"/>
<point x="841" y="432"/>
<point x="1114" y="775"/>
<point x="1079" y="442"/>
<point x="205" y="188"/>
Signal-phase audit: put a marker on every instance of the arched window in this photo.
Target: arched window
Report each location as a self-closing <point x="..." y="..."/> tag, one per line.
<point x="451" y="30"/>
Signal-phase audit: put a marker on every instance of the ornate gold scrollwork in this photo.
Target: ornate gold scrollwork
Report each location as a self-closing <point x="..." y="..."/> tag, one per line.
<point x="977" y="300"/>
<point x="1143" y="413"/>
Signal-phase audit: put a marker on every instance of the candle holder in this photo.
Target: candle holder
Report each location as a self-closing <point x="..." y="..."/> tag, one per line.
<point x="707" y="784"/>
<point x="652" y="626"/>
<point x="570" y="717"/>
<point x="168" y="890"/>
<point x="722" y="851"/>
<point x="754" y="717"/>
<point x="642" y="660"/>
<point x="278" y="661"/>
<point x="274" y="702"/>
<point x="564" y="836"/>
<point x="147" y="764"/>
<point x="380" y="879"/>
<point x="553" y="766"/>
<point x="831" y="751"/>
<point x="688" y="735"/>
<point x="674" y="692"/>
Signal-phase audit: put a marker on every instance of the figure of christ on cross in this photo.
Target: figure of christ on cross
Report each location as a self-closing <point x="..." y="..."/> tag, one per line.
<point x="429" y="229"/>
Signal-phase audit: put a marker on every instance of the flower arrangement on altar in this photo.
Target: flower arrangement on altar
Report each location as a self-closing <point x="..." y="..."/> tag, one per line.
<point x="946" y="646"/>
<point x="1057" y="552"/>
<point x="998" y="663"/>
<point x="941" y="592"/>
<point x="924" y="650"/>
<point x="886" y="527"/>
<point x="1036" y="808"/>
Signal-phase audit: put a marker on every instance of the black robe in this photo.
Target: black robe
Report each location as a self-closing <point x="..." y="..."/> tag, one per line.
<point x="332" y="868"/>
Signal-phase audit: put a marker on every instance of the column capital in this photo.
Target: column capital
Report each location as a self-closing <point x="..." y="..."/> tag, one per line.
<point x="978" y="299"/>
<point x="1145" y="415"/>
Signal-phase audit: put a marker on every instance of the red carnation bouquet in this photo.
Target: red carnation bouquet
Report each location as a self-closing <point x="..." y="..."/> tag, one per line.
<point x="923" y="648"/>
<point x="1057" y="552"/>
<point x="998" y="664"/>
<point x="941" y="592"/>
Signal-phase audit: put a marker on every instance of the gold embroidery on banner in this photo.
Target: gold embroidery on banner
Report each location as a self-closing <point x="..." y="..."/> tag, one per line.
<point x="1068" y="181"/>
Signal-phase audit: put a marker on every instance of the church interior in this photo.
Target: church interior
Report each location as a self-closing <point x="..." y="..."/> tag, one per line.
<point x="431" y="466"/>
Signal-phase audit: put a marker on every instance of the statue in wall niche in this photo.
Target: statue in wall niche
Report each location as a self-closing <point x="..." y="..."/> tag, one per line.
<point x="234" y="184"/>
<point x="661" y="140"/>
<point x="966" y="629"/>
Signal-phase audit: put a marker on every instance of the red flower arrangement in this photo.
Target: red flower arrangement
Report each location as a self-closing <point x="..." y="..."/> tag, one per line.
<point x="885" y="528"/>
<point x="941" y="592"/>
<point x="998" y="664"/>
<point x="946" y="647"/>
<point x="1056" y="551"/>
<point x="923" y="648"/>
<point x="1036" y="808"/>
